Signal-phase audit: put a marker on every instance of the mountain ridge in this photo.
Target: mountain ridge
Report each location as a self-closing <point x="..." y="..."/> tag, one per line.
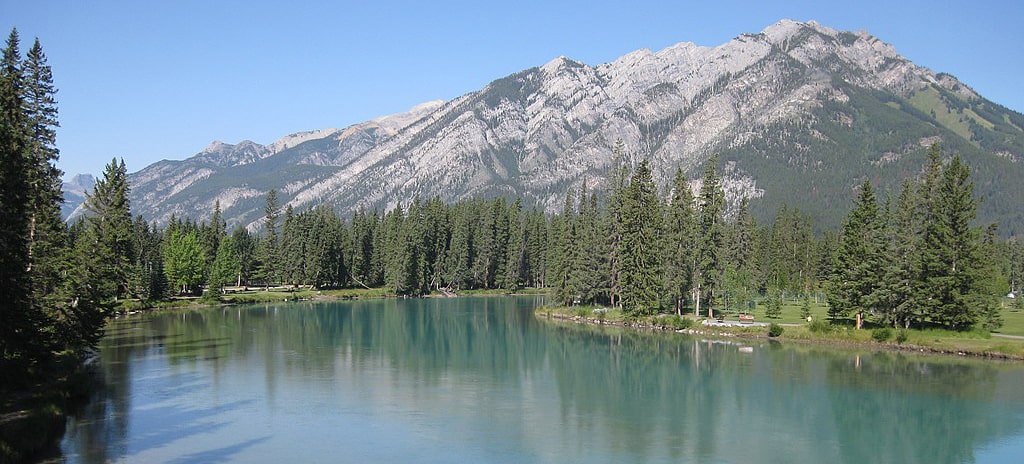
<point x="794" y="108"/>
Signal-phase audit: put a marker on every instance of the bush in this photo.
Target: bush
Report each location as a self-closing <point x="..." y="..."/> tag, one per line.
<point x="881" y="334"/>
<point x="581" y="312"/>
<point x="676" y="322"/>
<point x="819" y="327"/>
<point x="775" y="330"/>
<point x="902" y="335"/>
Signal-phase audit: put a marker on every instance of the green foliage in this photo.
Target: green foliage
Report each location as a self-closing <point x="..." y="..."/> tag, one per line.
<point x="805" y="308"/>
<point x="855" y="277"/>
<point x="881" y="334"/>
<point x="55" y="286"/>
<point x="675" y="322"/>
<point x="901" y="336"/>
<point x="680" y="243"/>
<point x="184" y="261"/>
<point x="820" y="326"/>
<point x="710" y="257"/>
<point x="774" y="304"/>
<point x="641" y="228"/>
<point x="775" y="330"/>
<point x="225" y="267"/>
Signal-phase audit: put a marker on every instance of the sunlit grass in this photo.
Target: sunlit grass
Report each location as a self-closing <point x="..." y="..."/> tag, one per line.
<point x="975" y="342"/>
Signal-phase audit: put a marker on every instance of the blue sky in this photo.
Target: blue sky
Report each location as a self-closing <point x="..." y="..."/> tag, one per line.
<point x="160" y="80"/>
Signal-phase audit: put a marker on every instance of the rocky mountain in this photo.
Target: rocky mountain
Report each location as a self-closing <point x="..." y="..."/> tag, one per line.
<point x="74" y="193"/>
<point x="799" y="113"/>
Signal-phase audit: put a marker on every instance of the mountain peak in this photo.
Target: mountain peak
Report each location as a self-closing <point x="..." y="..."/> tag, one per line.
<point x="559" y="63"/>
<point x="798" y="100"/>
<point x="216" y="146"/>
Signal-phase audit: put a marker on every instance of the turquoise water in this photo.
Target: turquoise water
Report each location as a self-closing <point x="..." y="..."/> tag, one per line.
<point x="483" y="380"/>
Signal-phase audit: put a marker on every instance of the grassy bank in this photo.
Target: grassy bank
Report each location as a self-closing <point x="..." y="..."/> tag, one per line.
<point x="978" y="343"/>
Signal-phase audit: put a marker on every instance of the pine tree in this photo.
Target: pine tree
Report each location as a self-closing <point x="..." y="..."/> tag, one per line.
<point x="516" y="254"/>
<point x="805" y="308"/>
<point x="563" y="252"/>
<point x="47" y="241"/>
<point x="680" y="242"/>
<point x="640" y="249"/>
<point x="226" y="266"/>
<point x="109" y="226"/>
<point x="774" y="303"/>
<point x="903" y="242"/>
<point x="619" y="177"/>
<point x="291" y="249"/>
<point x="949" y="262"/>
<point x="148" y="281"/>
<point x="710" y="239"/>
<point x="992" y="282"/>
<point x="269" y="270"/>
<point x="210" y="234"/>
<point x="19" y="318"/>
<point x="740" y="262"/>
<point x="856" y="277"/>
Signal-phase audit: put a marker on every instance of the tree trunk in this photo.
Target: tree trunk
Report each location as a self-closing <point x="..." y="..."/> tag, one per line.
<point x="696" y="302"/>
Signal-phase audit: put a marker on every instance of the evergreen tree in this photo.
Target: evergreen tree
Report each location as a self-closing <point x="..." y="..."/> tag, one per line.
<point x="856" y="277"/>
<point x="616" y="208"/>
<point x="805" y="308"/>
<point x="19" y="317"/>
<point x="245" y="251"/>
<point x="269" y="270"/>
<point x="591" y="252"/>
<point x="774" y="303"/>
<point x="517" y="254"/>
<point x="950" y="261"/>
<point x="47" y="241"/>
<point x="226" y="266"/>
<point x="291" y="251"/>
<point x="641" y="256"/>
<point x="992" y="281"/>
<point x="900" y="271"/>
<point x="212" y="233"/>
<point x="711" y="240"/>
<point x="563" y="254"/>
<point x="740" y="261"/>
<point x="148" y="281"/>
<point x="680" y="242"/>
<point x="109" y="226"/>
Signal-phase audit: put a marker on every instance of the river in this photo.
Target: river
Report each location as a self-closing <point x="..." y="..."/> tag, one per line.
<point x="484" y="380"/>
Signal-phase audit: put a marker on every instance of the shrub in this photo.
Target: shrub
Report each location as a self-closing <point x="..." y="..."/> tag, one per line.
<point x="676" y="322"/>
<point x="581" y="312"/>
<point x="881" y="334"/>
<point x="902" y="335"/>
<point x="819" y="327"/>
<point x="775" y="330"/>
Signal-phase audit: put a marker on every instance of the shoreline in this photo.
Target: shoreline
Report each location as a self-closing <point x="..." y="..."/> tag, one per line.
<point x="762" y="334"/>
<point x="304" y="294"/>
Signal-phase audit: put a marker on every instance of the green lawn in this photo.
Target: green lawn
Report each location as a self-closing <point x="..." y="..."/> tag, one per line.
<point x="978" y="342"/>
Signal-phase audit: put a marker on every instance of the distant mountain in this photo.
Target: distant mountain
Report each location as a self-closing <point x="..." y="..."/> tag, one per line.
<point x="74" y="193"/>
<point x="800" y="114"/>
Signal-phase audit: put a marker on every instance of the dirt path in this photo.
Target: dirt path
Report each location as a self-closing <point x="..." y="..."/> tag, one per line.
<point x="1015" y="337"/>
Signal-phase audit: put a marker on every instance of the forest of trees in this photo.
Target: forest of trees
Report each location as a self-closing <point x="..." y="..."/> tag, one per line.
<point x="916" y="259"/>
